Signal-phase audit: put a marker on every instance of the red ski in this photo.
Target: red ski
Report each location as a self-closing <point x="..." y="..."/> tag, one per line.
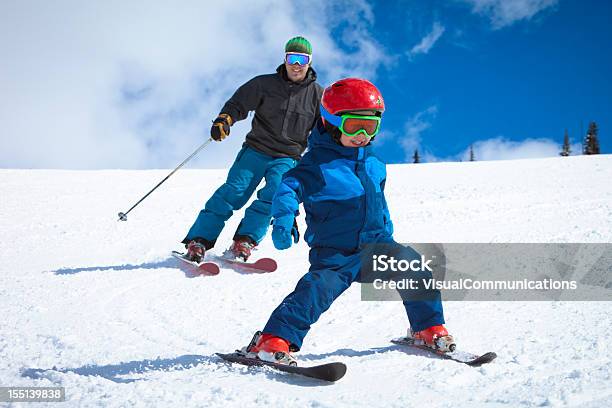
<point x="202" y="268"/>
<point x="262" y="265"/>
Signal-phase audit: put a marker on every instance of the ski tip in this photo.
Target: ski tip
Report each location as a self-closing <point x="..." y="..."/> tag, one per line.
<point x="483" y="359"/>
<point x="335" y="371"/>
<point x="209" y="268"/>
<point x="266" y="264"/>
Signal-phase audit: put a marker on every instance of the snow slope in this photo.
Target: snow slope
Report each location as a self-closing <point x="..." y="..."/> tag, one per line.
<point x="103" y="302"/>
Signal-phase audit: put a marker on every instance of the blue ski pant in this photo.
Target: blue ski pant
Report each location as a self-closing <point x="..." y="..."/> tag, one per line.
<point x="331" y="273"/>
<point x="249" y="168"/>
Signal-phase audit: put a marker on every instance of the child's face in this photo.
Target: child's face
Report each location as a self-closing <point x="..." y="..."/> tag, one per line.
<point x="355" y="141"/>
<point x="359" y="140"/>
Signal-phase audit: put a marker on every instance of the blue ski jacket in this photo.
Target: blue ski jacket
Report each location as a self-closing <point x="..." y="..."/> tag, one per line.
<point x="342" y="189"/>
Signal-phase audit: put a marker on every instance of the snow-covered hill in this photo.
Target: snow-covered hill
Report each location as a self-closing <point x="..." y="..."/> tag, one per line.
<point x="102" y="300"/>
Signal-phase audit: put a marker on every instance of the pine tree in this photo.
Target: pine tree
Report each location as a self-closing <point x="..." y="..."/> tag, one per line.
<point x="416" y="157"/>
<point x="591" y="141"/>
<point x="566" y="145"/>
<point x="472" y="157"/>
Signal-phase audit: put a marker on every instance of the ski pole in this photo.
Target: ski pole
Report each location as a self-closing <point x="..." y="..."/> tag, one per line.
<point x="123" y="216"/>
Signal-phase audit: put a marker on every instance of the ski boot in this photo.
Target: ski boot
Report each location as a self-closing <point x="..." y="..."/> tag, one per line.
<point x="435" y="337"/>
<point x="271" y="348"/>
<point x="241" y="248"/>
<point x="195" y="251"/>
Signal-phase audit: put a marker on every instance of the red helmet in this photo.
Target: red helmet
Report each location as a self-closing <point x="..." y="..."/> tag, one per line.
<point x="352" y="94"/>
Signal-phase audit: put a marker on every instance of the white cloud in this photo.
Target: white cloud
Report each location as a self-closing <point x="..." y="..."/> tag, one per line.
<point x="504" y="13"/>
<point x="420" y="122"/>
<point x="428" y="41"/>
<point x="500" y="148"/>
<point x="136" y="84"/>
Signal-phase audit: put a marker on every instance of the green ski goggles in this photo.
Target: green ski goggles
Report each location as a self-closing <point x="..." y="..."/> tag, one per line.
<point x="352" y="125"/>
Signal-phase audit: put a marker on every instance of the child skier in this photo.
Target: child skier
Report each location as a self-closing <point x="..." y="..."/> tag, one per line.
<point x="341" y="184"/>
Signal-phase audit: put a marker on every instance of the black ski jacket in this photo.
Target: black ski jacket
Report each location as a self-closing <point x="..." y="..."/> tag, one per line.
<point x="285" y="112"/>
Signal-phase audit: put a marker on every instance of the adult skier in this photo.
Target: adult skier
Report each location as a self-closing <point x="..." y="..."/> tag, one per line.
<point x="341" y="184"/>
<point x="286" y="106"/>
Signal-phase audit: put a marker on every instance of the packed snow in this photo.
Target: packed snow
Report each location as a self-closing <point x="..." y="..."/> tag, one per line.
<point x="99" y="306"/>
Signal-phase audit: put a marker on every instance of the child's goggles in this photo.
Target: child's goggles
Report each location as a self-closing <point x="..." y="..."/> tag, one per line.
<point x="297" y="58"/>
<point x="351" y="125"/>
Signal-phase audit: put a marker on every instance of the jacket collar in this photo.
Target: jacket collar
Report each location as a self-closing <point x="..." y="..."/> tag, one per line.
<point x="311" y="75"/>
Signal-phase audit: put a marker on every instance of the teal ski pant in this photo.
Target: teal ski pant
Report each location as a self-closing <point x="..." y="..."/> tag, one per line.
<point x="249" y="168"/>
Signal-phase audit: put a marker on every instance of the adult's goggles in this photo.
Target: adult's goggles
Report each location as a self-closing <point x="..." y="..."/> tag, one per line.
<point x="351" y="125"/>
<point x="297" y="58"/>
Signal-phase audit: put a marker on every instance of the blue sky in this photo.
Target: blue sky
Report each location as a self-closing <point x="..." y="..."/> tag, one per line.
<point x="528" y="79"/>
<point x="96" y="85"/>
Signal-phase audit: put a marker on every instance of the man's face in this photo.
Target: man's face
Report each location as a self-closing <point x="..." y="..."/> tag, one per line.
<point x="295" y="72"/>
